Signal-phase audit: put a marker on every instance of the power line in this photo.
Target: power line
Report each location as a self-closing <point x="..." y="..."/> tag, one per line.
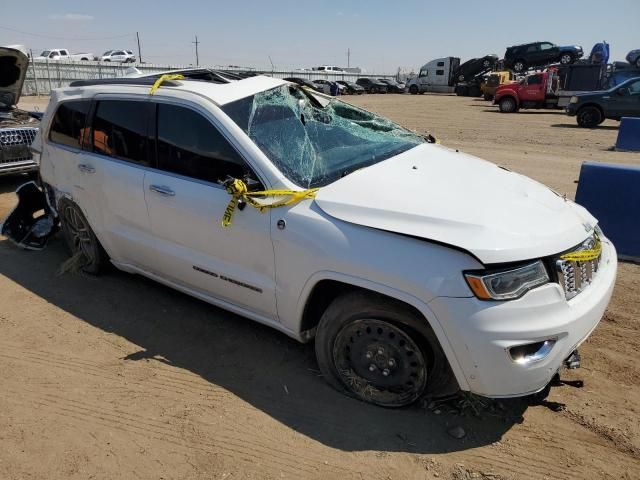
<point x="196" y="44"/>
<point x="65" y="38"/>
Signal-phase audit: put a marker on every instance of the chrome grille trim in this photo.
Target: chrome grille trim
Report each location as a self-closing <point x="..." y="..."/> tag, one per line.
<point x="14" y="145"/>
<point x="574" y="277"/>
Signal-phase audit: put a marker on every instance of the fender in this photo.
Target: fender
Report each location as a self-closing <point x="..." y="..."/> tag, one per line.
<point x="409" y="299"/>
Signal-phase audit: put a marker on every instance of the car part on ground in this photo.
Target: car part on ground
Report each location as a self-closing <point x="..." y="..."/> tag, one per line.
<point x="322" y="264"/>
<point x="17" y="127"/>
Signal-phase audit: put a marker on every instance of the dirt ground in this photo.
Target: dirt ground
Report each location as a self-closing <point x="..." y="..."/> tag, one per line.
<point x="119" y="377"/>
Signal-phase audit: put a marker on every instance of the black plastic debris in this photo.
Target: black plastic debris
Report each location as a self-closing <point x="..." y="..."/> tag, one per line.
<point x="33" y="221"/>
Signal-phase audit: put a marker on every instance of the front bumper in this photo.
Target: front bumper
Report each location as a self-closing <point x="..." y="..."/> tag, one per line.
<point x="481" y="333"/>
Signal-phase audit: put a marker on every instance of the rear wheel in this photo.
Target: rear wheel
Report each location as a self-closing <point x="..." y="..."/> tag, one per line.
<point x="589" y="117"/>
<point x="566" y="59"/>
<point x="367" y="348"/>
<point x="413" y="89"/>
<point x="519" y="66"/>
<point x="507" y="105"/>
<point x="81" y="240"/>
<point x="486" y="64"/>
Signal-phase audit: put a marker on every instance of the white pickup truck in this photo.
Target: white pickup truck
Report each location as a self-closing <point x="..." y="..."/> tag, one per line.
<point x="63" y="54"/>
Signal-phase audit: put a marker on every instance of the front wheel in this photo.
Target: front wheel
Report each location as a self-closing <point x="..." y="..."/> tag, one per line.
<point x="413" y="89"/>
<point x="589" y="117"/>
<point x="367" y="349"/>
<point x="507" y="105"/>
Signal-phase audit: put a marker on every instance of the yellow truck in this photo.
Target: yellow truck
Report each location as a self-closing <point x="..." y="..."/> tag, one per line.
<point x="494" y="80"/>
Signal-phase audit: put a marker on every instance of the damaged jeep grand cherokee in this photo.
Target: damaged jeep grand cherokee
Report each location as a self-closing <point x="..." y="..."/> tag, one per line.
<point x="17" y="127"/>
<point x="418" y="270"/>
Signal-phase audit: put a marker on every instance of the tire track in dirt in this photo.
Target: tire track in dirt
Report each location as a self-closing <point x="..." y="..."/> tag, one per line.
<point x="248" y="434"/>
<point x="241" y="448"/>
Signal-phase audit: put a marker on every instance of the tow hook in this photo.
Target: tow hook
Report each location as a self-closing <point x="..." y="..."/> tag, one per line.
<point x="573" y="361"/>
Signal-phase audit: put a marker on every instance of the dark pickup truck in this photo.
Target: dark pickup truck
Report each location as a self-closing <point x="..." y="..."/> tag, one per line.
<point x="592" y="108"/>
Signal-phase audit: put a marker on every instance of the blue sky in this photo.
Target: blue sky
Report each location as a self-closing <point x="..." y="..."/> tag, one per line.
<point x="382" y="35"/>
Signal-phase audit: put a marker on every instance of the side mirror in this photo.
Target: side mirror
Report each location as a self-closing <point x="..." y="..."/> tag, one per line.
<point x="624" y="92"/>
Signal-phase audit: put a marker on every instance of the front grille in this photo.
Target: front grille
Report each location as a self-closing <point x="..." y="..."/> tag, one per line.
<point x="14" y="144"/>
<point x="575" y="276"/>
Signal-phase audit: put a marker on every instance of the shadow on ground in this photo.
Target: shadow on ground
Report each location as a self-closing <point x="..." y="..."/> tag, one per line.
<point x="272" y="372"/>
<point x="575" y="125"/>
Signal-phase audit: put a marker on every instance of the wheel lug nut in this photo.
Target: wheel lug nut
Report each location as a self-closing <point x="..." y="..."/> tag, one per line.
<point x="380" y="351"/>
<point x="369" y="355"/>
<point x="372" y="368"/>
<point x="385" y="372"/>
<point x="392" y="362"/>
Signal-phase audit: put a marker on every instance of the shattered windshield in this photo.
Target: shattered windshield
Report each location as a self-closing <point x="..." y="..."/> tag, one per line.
<point x="314" y="141"/>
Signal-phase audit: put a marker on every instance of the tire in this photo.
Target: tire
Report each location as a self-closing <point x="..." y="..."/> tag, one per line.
<point x="379" y="351"/>
<point x="589" y="117"/>
<point x="413" y="89"/>
<point x="488" y="97"/>
<point x="519" y="66"/>
<point x="486" y="64"/>
<point x="79" y="237"/>
<point x="638" y="62"/>
<point x="566" y="58"/>
<point x="508" y="105"/>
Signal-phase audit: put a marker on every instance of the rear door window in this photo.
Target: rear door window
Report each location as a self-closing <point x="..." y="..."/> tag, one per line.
<point x="189" y="144"/>
<point x="120" y="130"/>
<point x="68" y="124"/>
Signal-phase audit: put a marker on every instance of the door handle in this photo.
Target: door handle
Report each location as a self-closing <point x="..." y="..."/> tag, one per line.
<point x="162" y="190"/>
<point x="84" y="168"/>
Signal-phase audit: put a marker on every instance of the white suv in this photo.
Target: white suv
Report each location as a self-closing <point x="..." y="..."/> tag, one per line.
<point x="123" y="56"/>
<point x="416" y="268"/>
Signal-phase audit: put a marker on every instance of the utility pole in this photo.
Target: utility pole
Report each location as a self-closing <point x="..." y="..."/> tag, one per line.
<point x="348" y="57"/>
<point x="139" y="51"/>
<point x="196" y="44"/>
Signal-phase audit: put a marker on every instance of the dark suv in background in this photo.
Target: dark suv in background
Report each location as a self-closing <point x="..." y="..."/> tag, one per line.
<point x="592" y="108"/>
<point x="537" y="54"/>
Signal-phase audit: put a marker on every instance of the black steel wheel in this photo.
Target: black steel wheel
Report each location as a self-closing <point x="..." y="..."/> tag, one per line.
<point x="589" y="117"/>
<point x="378" y="350"/>
<point x="379" y="363"/>
<point x="81" y="240"/>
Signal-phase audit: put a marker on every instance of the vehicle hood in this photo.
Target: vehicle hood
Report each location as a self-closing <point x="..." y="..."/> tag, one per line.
<point x="13" y="70"/>
<point x="441" y="195"/>
<point x="565" y="48"/>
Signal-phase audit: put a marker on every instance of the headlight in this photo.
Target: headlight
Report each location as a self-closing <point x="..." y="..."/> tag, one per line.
<point x="507" y="284"/>
<point x="573" y="99"/>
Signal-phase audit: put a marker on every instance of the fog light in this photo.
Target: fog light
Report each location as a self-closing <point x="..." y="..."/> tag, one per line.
<point x="531" y="352"/>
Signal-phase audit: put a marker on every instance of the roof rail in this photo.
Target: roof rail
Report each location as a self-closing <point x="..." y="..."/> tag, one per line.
<point x="123" y="81"/>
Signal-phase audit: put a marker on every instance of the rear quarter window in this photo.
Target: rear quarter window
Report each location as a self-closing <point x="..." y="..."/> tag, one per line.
<point x="69" y="123"/>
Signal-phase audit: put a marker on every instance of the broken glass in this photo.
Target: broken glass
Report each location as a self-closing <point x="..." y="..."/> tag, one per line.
<point x="314" y="141"/>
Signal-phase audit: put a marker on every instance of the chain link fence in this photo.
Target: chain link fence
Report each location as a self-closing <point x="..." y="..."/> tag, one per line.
<point x="43" y="76"/>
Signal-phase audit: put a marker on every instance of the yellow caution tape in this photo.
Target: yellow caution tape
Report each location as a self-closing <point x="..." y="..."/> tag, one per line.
<point x="238" y="190"/>
<point x="159" y="82"/>
<point x="584" y="255"/>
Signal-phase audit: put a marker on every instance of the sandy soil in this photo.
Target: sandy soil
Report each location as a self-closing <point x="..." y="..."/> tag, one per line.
<point x="118" y="377"/>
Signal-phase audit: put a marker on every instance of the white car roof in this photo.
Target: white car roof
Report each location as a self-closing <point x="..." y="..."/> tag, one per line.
<point x="219" y="93"/>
